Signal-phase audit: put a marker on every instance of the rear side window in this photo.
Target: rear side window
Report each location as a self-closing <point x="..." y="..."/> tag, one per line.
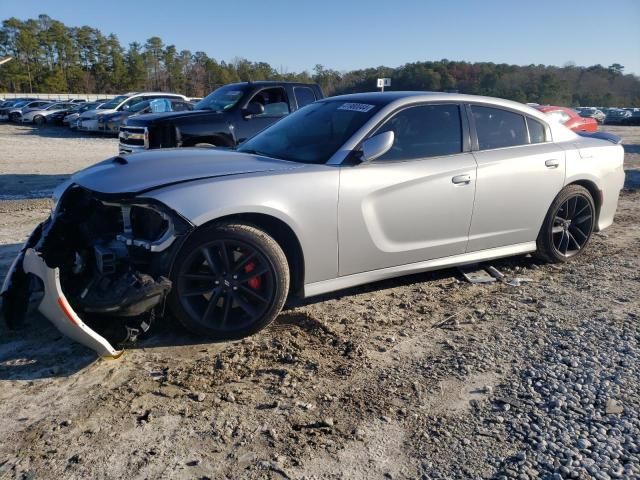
<point x="499" y="128"/>
<point x="424" y="131"/>
<point x="304" y="96"/>
<point x="537" y="132"/>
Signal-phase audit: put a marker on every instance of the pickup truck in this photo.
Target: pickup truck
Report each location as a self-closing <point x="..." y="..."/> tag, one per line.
<point x="225" y="118"/>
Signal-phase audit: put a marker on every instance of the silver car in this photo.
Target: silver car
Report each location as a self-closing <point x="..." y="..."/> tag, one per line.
<point x="345" y="191"/>
<point x="41" y="115"/>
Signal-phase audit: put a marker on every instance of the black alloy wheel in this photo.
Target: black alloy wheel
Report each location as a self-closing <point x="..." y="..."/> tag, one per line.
<point x="568" y="226"/>
<point x="229" y="282"/>
<point x="572" y="225"/>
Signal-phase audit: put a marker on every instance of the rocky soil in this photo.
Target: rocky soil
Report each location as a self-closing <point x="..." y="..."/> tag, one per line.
<point x="420" y="377"/>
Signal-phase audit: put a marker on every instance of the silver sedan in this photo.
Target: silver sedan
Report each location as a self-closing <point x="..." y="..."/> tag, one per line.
<point x="345" y="191"/>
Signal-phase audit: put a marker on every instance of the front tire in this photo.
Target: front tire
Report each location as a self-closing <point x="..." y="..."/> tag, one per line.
<point x="230" y="280"/>
<point x="39" y="120"/>
<point x="568" y="226"/>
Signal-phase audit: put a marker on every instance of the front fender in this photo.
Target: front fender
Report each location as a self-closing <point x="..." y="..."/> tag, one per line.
<point x="304" y="199"/>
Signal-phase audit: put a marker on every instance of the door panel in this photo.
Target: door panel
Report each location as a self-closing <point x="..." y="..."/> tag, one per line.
<point x="515" y="187"/>
<point x="395" y="213"/>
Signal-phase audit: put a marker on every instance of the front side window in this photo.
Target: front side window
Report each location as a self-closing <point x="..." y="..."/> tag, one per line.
<point x="497" y="128"/>
<point x="312" y="134"/>
<point x="180" y="106"/>
<point x="304" y="96"/>
<point x="424" y="131"/>
<point x="274" y="101"/>
<point x="537" y="131"/>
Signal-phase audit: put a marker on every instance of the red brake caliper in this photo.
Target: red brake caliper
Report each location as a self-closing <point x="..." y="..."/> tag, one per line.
<point x="255" y="282"/>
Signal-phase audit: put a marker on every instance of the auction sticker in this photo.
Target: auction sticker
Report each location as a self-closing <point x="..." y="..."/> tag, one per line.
<point x="356" y="107"/>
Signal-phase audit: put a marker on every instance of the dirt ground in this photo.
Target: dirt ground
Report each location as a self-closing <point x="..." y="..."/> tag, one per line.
<point x="425" y="376"/>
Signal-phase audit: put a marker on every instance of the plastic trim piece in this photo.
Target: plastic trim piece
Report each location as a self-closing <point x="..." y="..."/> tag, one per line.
<point x="56" y="308"/>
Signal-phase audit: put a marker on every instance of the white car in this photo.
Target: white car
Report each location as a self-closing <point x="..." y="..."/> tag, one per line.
<point x="88" y="121"/>
<point x="39" y="115"/>
<point x="16" y="114"/>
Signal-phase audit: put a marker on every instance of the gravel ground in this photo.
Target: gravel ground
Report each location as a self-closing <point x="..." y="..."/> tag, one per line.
<point x="420" y="377"/>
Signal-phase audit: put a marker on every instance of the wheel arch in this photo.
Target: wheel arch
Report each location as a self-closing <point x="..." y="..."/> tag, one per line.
<point x="283" y="234"/>
<point x="217" y="140"/>
<point x="596" y="194"/>
<point x="593" y="189"/>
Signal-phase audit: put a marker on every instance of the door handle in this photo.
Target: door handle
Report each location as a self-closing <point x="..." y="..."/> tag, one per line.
<point x="461" y="179"/>
<point x="552" y="163"/>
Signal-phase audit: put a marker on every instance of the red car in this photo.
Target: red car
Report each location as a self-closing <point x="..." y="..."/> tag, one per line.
<point x="570" y="118"/>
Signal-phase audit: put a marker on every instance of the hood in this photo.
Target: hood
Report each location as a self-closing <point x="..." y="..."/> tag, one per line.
<point x="151" y="118"/>
<point x="145" y="171"/>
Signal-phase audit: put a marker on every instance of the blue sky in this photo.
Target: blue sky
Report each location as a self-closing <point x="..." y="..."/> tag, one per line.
<point x="344" y="35"/>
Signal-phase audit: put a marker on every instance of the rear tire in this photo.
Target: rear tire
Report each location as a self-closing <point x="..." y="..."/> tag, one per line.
<point x="39" y="120"/>
<point x="230" y="280"/>
<point x="568" y="226"/>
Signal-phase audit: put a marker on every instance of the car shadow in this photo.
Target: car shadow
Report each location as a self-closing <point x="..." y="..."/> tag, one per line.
<point x="526" y="261"/>
<point x="58" y="131"/>
<point x="21" y="186"/>
<point x="632" y="179"/>
<point x="36" y="350"/>
<point x="633" y="148"/>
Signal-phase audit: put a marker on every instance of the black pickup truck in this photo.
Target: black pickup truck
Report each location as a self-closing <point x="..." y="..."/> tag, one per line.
<point x="225" y="118"/>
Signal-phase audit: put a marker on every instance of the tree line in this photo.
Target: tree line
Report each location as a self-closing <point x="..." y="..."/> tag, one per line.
<point x="50" y="57"/>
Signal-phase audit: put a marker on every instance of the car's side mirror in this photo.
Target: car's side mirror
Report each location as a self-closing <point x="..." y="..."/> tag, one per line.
<point x="254" y="108"/>
<point x="377" y="146"/>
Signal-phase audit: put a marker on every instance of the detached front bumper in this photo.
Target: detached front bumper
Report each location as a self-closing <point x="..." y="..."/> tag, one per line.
<point x="56" y="308"/>
<point x="97" y="283"/>
<point x="53" y="304"/>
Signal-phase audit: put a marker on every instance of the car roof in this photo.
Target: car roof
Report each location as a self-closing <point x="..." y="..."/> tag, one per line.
<point x="551" y="108"/>
<point x="267" y="83"/>
<point x="405" y="97"/>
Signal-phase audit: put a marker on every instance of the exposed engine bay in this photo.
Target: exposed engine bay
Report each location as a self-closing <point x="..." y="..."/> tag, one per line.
<point x="109" y="257"/>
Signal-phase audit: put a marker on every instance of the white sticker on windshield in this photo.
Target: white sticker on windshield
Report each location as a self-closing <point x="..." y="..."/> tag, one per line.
<point x="356" y="107"/>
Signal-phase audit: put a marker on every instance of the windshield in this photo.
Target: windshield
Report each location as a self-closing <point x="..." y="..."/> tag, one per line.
<point x="222" y="99"/>
<point x="112" y="104"/>
<point x="312" y="134"/>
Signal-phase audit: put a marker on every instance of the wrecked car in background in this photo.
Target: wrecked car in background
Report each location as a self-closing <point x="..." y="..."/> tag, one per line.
<point x="345" y="191"/>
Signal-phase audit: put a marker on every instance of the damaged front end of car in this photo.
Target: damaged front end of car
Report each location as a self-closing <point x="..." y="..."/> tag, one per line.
<point x="97" y="268"/>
